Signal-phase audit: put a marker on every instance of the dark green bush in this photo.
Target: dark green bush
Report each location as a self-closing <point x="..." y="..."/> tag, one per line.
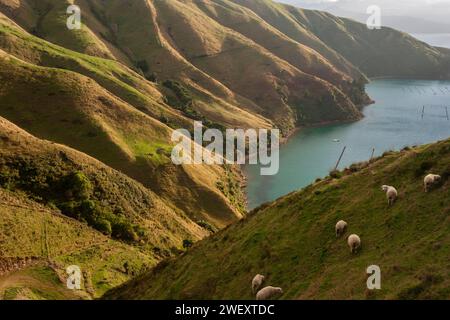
<point x="335" y="174"/>
<point x="183" y="98"/>
<point x="187" y="244"/>
<point x="423" y="167"/>
<point x="205" y="225"/>
<point x="79" y="185"/>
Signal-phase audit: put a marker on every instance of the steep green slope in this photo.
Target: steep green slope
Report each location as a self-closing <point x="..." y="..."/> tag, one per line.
<point x="292" y="240"/>
<point x="60" y="207"/>
<point x="113" y="76"/>
<point x="37" y="244"/>
<point x="246" y="63"/>
<point x="183" y="43"/>
<point x="87" y="190"/>
<point x="68" y="108"/>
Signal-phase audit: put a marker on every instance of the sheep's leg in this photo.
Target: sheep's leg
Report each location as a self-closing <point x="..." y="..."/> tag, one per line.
<point x="391" y="201"/>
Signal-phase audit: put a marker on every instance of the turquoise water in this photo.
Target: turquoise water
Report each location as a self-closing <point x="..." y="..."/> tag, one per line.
<point x="393" y="122"/>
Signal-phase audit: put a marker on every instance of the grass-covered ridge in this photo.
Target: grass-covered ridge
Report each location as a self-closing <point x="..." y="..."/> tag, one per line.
<point x="86" y="190"/>
<point x="68" y="108"/>
<point x="292" y="240"/>
<point x="60" y="207"/>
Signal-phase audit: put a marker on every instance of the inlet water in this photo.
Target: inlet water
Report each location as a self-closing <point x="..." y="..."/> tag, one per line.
<point x="406" y="113"/>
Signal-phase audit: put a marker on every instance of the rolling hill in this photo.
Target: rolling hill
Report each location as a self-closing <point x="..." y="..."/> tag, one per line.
<point x="247" y="63"/>
<point x="58" y="204"/>
<point x="87" y="118"/>
<point x="292" y="240"/>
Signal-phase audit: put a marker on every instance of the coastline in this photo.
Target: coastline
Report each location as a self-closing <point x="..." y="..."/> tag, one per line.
<point x="284" y="140"/>
<point x="289" y="135"/>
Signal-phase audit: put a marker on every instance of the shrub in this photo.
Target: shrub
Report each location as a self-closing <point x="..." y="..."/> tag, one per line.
<point x="207" y="226"/>
<point x="70" y="209"/>
<point x="143" y="65"/>
<point x="103" y="225"/>
<point x="183" y="96"/>
<point x="187" y="244"/>
<point x="124" y="230"/>
<point x="424" y="167"/>
<point x="79" y="185"/>
<point x="335" y="174"/>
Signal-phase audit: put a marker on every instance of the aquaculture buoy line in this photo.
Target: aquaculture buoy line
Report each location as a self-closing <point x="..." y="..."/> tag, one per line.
<point x="444" y="107"/>
<point x="423" y="91"/>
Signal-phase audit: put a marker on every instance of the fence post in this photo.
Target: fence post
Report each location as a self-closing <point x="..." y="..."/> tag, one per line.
<point x="340" y="158"/>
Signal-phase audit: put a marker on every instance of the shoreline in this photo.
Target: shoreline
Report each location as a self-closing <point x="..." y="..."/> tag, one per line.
<point x="284" y="140"/>
<point x="408" y="78"/>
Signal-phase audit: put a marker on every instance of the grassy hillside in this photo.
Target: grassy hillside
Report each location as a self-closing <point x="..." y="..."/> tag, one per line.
<point x="68" y="108"/>
<point x="184" y="43"/>
<point x="37" y="244"/>
<point x="246" y="63"/>
<point x="87" y="190"/>
<point x="108" y="97"/>
<point x="62" y="207"/>
<point x="292" y="240"/>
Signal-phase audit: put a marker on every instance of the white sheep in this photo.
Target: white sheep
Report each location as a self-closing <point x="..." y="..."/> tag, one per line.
<point x="257" y="282"/>
<point x="391" y="194"/>
<point x="340" y="228"/>
<point x="268" y="293"/>
<point x="354" y="242"/>
<point x="430" y="180"/>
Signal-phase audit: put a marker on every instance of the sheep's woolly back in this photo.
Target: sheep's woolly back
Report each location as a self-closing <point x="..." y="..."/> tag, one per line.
<point x="268" y="292"/>
<point x="391" y="192"/>
<point x="257" y="282"/>
<point x="431" y="178"/>
<point x="340" y="227"/>
<point x="354" y="242"/>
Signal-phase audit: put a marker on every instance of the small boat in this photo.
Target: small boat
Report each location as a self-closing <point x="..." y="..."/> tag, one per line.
<point x="336" y="140"/>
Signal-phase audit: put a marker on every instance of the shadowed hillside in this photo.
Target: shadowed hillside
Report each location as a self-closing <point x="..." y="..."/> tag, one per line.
<point x="82" y="205"/>
<point x="292" y="240"/>
<point x="68" y="108"/>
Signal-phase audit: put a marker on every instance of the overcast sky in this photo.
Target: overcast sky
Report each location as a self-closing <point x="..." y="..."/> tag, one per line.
<point x="434" y="10"/>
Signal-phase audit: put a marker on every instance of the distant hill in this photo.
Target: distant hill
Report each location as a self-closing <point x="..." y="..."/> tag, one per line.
<point x="407" y="16"/>
<point x="292" y="240"/>
<point x="304" y="75"/>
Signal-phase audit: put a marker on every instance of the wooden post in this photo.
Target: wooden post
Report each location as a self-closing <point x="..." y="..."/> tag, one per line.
<point x="340" y="158"/>
<point x="446" y="112"/>
<point x="423" y="111"/>
<point x="373" y="152"/>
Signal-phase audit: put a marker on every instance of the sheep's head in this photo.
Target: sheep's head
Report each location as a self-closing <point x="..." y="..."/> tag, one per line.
<point x="437" y="178"/>
<point x="384" y="188"/>
<point x="280" y="291"/>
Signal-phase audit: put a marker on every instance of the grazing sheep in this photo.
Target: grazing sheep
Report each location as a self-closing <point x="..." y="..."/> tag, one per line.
<point x="268" y="293"/>
<point x="430" y="180"/>
<point x="391" y="194"/>
<point x="341" y="227"/>
<point x="257" y="282"/>
<point x="354" y="242"/>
